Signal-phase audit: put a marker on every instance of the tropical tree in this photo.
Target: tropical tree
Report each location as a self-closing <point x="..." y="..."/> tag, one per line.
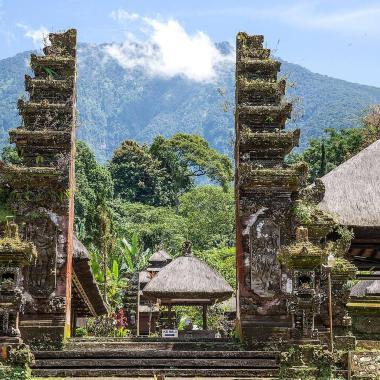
<point x="336" y="146"/>
<point x="188" y="156"/>
<point x="130" y="256"/>
<point x="155" y="226"/>
<point x="159" y="174"/>
<point x="110" y="278"/>
<point x="210" y="216"/>
<point x="94" y="190"/>
<point x="138" y="176"/>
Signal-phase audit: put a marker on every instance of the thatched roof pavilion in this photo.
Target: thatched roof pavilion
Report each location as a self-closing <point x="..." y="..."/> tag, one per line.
<point x="188" y="280"/>
<point x="160" y="256"/>
<point x="158" y="260"/>
<point x="352" y="193"/>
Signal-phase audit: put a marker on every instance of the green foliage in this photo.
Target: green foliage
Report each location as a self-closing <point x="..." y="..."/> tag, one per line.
<point x="94" y="189"/>
<point x="107" y="274"/>
<point x="5" y="212"/>
<point x="50" y="72"/>
<point x="210" y="215"/>
<point x="137" y="175"/>
<point x="345" y="233"/>
<point x="14" y="373"/>
<point x="81" y="331"/>
<point x="189" y="155"/>
<point x="21" y="355"/>
<point x="154" y="226"/>
<point x="101" y="326"/>
<point x="158" y="174"/>
<point x="133" y="258"/>
<point x="10" y="155"/>
<point x="123" y="259"/>
<point x="223" y="260"/>
<point x="179" y="178"/>
<point x="216" y="319"/>
<point x="304" y="212"/>
<point x="324" y="155"/>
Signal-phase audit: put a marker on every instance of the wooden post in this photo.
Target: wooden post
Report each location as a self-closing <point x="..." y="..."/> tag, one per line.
<point x="170" y="326"/>
<point x="138" y="309"/>
<point x="204" y="317"/>
<point x="330" y="309"/>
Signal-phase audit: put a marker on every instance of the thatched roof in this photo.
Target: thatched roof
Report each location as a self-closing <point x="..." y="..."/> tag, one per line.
<point x="353" y="191"/>
<point x="188" y="278"/>
<point x="80" y="251"/>
<point x="365" y="288"/>
<point x="144" y="277"/>
<point x="160" y="256"/>
<point x="89" y="298"/>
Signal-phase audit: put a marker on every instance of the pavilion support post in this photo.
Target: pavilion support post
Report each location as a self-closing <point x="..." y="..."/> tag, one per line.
<point x="170" y="317"/>
<point x="204" y="314"/>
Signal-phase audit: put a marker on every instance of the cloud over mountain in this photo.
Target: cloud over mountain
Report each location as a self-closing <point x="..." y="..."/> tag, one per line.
<point x="167" y="49"/>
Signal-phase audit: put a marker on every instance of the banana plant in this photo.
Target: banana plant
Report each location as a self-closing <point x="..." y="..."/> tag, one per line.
<point x="133" y="258"/>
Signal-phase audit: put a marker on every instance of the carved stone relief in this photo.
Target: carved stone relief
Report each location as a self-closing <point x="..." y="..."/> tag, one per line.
<point x="41" y="277"/>
<point x="265" y="269"/>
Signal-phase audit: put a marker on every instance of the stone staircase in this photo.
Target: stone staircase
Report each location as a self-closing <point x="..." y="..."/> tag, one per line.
<point x="125" y="357"/>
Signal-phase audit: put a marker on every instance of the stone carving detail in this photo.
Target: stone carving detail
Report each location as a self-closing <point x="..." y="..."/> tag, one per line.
<point x="41" y="277"/>
<point x="56" y="305"/>
<point x="14" y="255"/>
<point x="265" y="270"/>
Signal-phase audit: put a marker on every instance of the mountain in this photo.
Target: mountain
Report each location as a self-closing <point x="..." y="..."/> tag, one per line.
<point x="116" y="103"/>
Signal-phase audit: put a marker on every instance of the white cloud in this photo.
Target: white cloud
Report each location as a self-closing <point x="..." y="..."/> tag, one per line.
<point x="37" y="35"/>
<point x="121" y="15"/>
<point x="168" y="50"/>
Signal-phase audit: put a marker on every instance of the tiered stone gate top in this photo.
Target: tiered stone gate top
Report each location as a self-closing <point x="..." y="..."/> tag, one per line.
<point x="42" y="186"/>
<point x="265" y="189"/>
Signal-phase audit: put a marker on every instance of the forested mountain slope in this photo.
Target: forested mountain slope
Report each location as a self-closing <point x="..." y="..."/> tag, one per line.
<point x="116" y="103"/>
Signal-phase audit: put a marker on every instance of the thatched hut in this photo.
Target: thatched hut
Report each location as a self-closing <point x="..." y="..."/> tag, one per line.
<point x="352" y="193"/>
<point x="148" y="312"/>
<point x="188" y="280"/>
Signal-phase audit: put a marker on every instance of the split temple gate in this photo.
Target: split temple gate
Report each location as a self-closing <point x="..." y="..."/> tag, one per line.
<point x="281" y="240"/>
<point x="41" y="197"/>
<point x="265" y="187"/>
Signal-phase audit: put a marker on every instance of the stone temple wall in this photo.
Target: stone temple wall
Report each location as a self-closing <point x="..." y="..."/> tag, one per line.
<point x="42" y="187"/>
<point x="265" y="190"/>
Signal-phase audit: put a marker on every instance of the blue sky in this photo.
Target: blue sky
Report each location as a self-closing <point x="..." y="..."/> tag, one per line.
<point x="339" y="38"/>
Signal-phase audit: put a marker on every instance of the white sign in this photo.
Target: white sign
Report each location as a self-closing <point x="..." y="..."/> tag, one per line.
<point x="168" y="333"/>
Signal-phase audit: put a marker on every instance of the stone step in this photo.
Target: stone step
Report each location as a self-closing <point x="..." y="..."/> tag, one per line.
<point x="150" y="372"/>
<point x="156" y="363"/>
<point x="135" y="346"/>
<point x="97" y="339"/>
<point x="140" y="363"/>
<point x="268" y="355"/>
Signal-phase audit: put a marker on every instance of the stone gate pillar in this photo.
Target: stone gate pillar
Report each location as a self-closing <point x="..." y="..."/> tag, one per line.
<point x="42" y="188"/>
<point x="265" y="190"/>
